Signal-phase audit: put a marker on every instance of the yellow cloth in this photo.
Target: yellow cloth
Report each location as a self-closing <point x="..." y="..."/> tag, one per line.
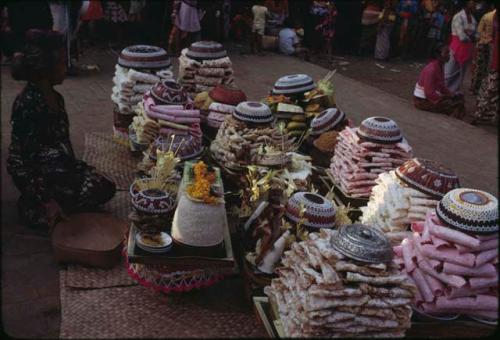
<point x="485" y="28"/>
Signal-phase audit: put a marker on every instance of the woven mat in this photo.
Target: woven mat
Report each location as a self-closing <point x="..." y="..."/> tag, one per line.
<point x="134" y="312"/>
<point x="110" y="158"/>
<point x="104" y="304"/>
<point x="90" y="278"/>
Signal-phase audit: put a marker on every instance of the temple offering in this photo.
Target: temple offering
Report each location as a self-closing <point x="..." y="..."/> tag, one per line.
<point x="362" y="153"/>
<point x="453" y="255"/>
<point x="342" y="283"/>
<point x="250" y="137"/>
<point x="203" y="66"/>
<point x="406" y="195"/>
<point x="139" y="67"/>
<point x="200" y="218"/>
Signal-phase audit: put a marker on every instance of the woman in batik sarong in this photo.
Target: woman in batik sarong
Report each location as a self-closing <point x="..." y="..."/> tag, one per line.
<point x="482" y="53"/>
<point x="41" y="159"/>
<point x="430" y="92"/>
<point x="487" y="99"/>
<point x="463" y="36"/>
<point x="385" y="26"/>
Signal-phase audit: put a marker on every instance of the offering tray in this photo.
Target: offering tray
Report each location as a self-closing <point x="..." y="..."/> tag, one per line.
<point x="267" y="314"/>
<point x="180" y="259"/>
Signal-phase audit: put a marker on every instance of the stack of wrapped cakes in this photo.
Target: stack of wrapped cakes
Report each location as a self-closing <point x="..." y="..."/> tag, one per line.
<point x="406" y="195"/>
<point x="453" y="256"/>
<point x="361" y="154"/>
<point x="249" y="136"/>
<point x="342" y="284"/>
<point x="139" y="68"/>
<point x="204" y="65"/>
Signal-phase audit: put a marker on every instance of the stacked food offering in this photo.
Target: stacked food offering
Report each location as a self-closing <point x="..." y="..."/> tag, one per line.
<point x="250" y="137"/>
<point x="286" y="99"/>
<point x="406" y="195"/>
<point x="323" y="135"/>
<point x="342" y="284"/>
<point x="361" y="154"/>
<point x="139" y="68"/>
<point x="200" y="218"/>
<point x="204" y="65"/>
<point x="153" y="202"/>
<point x="453" y="256"/>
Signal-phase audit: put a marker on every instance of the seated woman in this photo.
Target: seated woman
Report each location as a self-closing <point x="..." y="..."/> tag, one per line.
<point x="431" y="94"/>
<point x="41" y="159"/>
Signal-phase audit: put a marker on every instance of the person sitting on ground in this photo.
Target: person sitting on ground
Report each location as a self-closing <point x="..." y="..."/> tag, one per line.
<point x="431" y="93"/>
<point x="289" y="42"/>
<point x="41" y="160"/>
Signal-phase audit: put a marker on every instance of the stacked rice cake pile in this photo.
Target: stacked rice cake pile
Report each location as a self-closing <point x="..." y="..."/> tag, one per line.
<point x="203" y="66"/>
<point x="242" y="135"/>
<point x="361" y="154"/>
<point x="406" y="195"/>
<point x="223" y="101"/>
<point x="139" y="68"/>
<point x="322" y="293"/>
<point x="453" y="256"/>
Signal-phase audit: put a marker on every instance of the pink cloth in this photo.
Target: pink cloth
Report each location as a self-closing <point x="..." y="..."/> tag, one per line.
<point x="480" y="302"/>
<point x="451" y="235"/>
<point x="448" y="255"/>
<point x="176" y="112"/>
<point x="483" y="282"/>
<point x="452" y="280"/>
<point x="486" y="256"/>
<point x="490" y="244"/>
<point x="417" y="227"/>
<point x="435" y="285"/>
<point x="439" y="243"/>
<point x="422" y="285"/>
<point x="408" y="255"/>
<point x="464" y="291"/>
<point x="486" y="270"/>
<point x="462" y="51"/>
<point x="170" y="131"/>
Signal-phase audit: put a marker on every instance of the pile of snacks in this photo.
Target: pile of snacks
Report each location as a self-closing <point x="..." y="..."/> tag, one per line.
<point x="204" y="65"/>
<point x="453" y="256"/>
<point x="406" y="195"/>
<point x="139" y="68"/>
<point x="248" y="137"/>
<point x="342" y="284"/>
<point x="361" y="154"/>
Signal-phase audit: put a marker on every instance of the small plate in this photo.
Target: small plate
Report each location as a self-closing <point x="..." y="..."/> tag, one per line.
<point x="441" y="317"/>
<point x="484" y="320"/>
<point x="166" y="241"/>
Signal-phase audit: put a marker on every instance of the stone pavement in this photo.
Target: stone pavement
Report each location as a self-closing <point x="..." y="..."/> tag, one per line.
<point x="30" y="288"/>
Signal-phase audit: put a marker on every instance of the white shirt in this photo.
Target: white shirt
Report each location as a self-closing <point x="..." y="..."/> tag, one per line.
<point x="287" y="38"/>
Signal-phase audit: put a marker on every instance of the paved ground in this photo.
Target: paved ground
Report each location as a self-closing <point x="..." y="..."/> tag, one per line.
<point x="30" y="288"/>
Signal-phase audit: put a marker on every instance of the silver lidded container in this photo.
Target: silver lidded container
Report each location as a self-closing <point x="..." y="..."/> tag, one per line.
<point x="363" y="243"/>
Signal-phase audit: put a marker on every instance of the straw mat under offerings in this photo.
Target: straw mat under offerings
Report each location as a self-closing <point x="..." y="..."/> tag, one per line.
<point x="103" y="304"/>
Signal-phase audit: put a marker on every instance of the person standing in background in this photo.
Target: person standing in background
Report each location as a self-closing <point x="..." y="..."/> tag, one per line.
<point x="369" y="22"/>
<point x="385" y="27"/>
<point x="487" y="99"/>
<point x="186" y="18"/>
<point x="434" y="34"/>
<point x="90" y="20"/>
<point x="463" y="36"/>
<point x="407" y="11"/>
<point x="482" y="52"/>
<point x="116" y="15"/>
<point x="136" y="19"/>
<point x="260" y="13"/>
<point x="327" y="25"/>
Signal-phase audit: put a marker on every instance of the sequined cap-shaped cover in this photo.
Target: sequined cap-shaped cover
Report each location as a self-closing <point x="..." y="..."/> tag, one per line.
<point x="363" y="243"/>
<point x="380" y="130"/>
<point x="144" y="56"/>
<point x="428" y="177"/>
<point x="469" y="210"/>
